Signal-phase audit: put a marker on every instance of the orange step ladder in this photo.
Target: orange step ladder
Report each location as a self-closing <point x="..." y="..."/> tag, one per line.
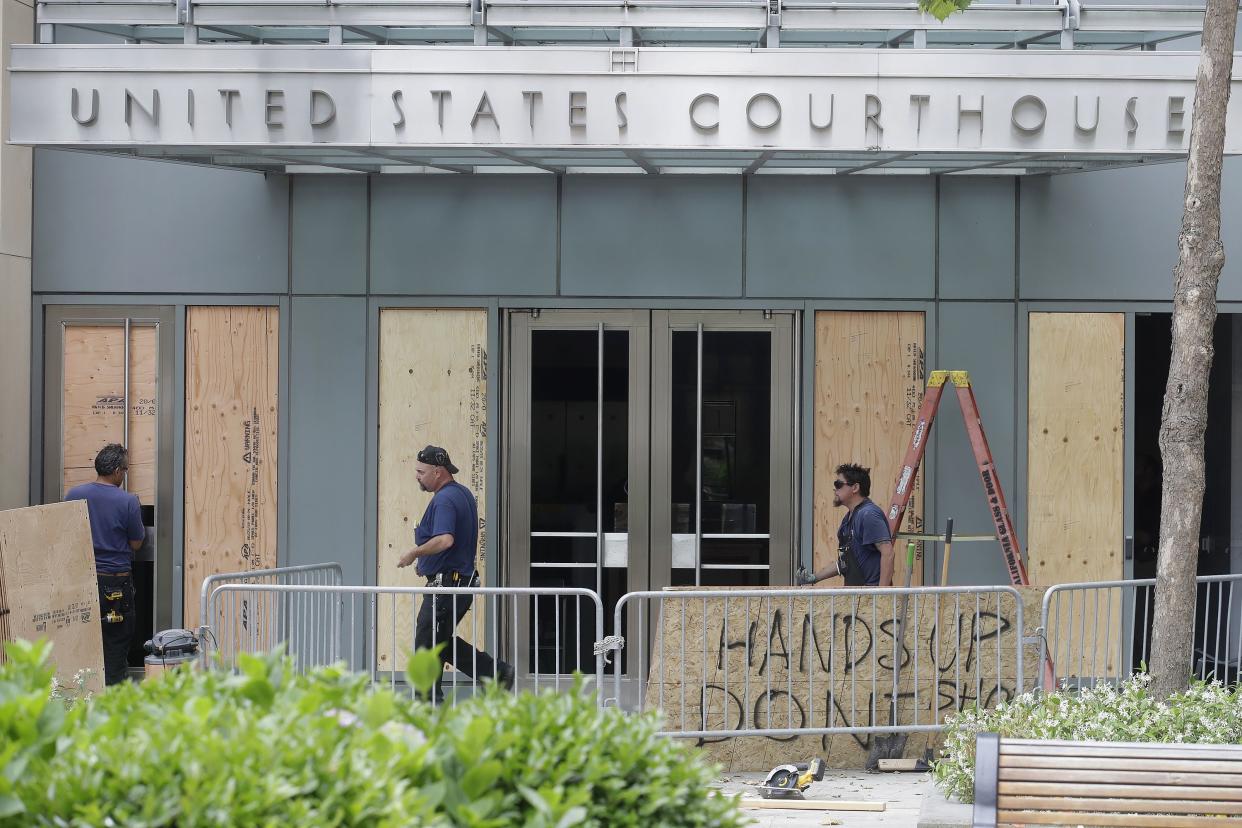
<point x="917" y="448"/>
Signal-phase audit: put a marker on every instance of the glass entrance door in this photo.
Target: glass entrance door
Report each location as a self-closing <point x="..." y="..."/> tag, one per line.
<point x="645" y="449"/>
<point x="577" y="449"/>
<point x="722" y="424"/>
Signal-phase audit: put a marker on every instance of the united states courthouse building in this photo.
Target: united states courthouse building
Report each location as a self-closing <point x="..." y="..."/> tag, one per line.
<point x="647" y="270"/>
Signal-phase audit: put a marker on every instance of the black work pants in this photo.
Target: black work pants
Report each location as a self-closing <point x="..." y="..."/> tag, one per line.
<point x="448" y="611"/>
<point x="118" y="633"/>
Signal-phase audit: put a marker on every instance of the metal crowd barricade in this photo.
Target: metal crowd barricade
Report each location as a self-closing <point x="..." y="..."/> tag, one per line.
<point x="320" y="574"/>
<point x="276" y="630"/>
<point x="793" y="662"/>
<point x="1100" y="632"/>
<point x="370" y="629"/>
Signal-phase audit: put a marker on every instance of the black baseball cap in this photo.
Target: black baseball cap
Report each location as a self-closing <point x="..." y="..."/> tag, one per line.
<point x="436" y="456"/>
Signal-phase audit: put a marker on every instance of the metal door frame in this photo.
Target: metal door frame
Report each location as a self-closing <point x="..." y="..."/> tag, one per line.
<point x="650" y="552"/>
<point x="784" y="378"/>
<point x="56" y="319"/>
<point x="515" y="502"/>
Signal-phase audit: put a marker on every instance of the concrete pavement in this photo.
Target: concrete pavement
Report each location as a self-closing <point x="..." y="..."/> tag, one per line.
<point x="906" y="796"/>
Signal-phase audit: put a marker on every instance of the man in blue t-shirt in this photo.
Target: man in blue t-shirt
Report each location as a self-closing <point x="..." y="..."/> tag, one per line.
<point x="866" y="547"/>
<point x="116" y="533"/>
<point x="445" y="541"/>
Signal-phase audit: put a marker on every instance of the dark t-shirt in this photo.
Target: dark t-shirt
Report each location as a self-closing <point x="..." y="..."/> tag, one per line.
<point x="116" y="519"/>
<point x="861" y="530"/>
<point x="452" y="511"/>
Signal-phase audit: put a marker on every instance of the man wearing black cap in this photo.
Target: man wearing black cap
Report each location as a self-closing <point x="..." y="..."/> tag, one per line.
<point x="446" y="539"/>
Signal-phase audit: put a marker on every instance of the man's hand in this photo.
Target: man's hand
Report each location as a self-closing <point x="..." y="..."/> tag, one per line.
<point x="432" y="547"/>
<point x="804" y="577"/>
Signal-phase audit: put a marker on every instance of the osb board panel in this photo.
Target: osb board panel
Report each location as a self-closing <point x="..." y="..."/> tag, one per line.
<point x="869" y="382"/>
<point x="1076" y="459"/>
<point x="827" y="662"/>
<point x="232" y="380"/>
<point x="48" y="586"/>
<point x="433" y="390"/>
<point x="93" y="402"/>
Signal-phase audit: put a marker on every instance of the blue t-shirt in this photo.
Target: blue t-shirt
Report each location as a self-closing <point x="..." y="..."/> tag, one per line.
<point x="452" y="511"/>
<point x="116" y="519"/>
<point x="861" y="530"/>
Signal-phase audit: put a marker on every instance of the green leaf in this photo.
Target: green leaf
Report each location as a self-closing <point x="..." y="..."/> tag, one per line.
<point x="941" y="9"/>
<point x="480" y="778"/>
<point x="376" y="709"/>
<point x="11" y="806"/>
<point x="423" y="668"/>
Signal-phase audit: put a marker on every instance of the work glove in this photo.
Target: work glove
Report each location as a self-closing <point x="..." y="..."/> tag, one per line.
<point x="804" y="578"/>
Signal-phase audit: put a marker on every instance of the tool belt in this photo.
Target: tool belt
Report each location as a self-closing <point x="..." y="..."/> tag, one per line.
<point x="112" y="595"/>
<point x="454" y="579"/>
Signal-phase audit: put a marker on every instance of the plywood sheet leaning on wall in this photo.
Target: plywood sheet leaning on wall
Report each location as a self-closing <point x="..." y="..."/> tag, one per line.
<point x="93" y="402"/>
<point x="869" y="382"/>
<point x="433" y="390"/>
<point x="48" y="587"/>
<point x="795" y="662"/>
<point x="231" y="406"/>
<point x="1075" y="468"/>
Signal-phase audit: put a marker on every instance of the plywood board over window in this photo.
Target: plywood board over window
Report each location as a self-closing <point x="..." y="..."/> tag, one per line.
<point x="94" y="402"/>
<point x="869" y="380"/>
<point x="1075" y="466"/>
<point x="433" y="390"/>
<point x="231" y="385"/>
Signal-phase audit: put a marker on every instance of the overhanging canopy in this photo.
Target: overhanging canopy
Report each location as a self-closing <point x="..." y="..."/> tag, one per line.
<point x="563" y="109"/>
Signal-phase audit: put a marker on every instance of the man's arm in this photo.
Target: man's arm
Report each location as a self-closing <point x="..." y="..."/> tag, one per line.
<point x="135" y="525"/>
<point x="886" y="563"/>
<point x="432" y="547"/>
<point x="832" y="570"/>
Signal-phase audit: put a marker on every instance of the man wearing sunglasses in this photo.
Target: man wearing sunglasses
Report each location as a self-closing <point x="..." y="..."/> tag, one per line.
<point x="866" y="548"/>
<point x="446" y="539"/>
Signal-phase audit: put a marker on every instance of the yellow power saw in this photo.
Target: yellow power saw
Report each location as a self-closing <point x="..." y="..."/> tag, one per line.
<point x="789" y="781"/>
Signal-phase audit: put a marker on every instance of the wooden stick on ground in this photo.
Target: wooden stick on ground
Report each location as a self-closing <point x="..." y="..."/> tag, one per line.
<point x="813" y="804"/>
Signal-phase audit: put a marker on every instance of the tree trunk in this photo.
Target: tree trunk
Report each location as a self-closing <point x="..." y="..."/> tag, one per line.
<point x="1201" y="255"/>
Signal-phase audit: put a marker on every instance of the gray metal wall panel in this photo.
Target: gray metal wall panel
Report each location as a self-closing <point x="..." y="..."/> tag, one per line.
<point x="327" y="430"/>
<point x="451" y="235"/>
<point x="328" y="228"/>
<point x="1113" y="234"/>
<point x="977" y="235"/>
<point x="651" y="236"/>
<point x="959" y="492"/>
<point x="125" y="225"/>
<point x="824" y="236"/>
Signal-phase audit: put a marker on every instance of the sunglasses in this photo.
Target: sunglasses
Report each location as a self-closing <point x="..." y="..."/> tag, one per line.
<point x="841" y="484"/>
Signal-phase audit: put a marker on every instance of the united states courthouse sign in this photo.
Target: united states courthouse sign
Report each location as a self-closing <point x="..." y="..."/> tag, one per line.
<point x="891" y="101"/>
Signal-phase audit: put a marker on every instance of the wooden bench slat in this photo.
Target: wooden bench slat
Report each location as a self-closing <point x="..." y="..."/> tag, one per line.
<point x="1135" y="777"/>
<point x="1115" y="805"/>
<point x="1039" y="782"/>
<point x="1198" y="794"/>
<point x="1144" y="748"/>
<point x="1095" y="763"/>
<point x="1035" y="747"/>
<point x="1019" y="818"/>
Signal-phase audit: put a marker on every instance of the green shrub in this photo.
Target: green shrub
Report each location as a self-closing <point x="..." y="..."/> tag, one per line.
<point x="268" y="747"/>
<point x="1206" y="714"/>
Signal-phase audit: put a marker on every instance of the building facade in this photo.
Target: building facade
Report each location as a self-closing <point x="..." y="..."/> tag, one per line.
<point x="647" y="296"/>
